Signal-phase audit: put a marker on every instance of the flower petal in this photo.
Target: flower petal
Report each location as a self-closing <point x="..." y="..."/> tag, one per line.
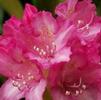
<point x="11" y="26"/>
<point x="57" y="95"/>
<point x="36" y="93"/>
<point x="66" y="8"/>
<point x="9" y="92"/>
<point x="99" y="96"/>
<point x="5" y="64"/>
<point x="86" y="96"/>
<point x="62" y="55"/>
<point x="29" y="12"/>
<point x="63" y="35"/>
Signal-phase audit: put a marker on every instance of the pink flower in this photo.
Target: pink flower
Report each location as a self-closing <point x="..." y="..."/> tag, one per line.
<point x="25" y="46"/>
<point x="25" y="77"/>
<point x="88" y="24"/>
<point x="39" y="35"/>
<point x="79" y="79"/>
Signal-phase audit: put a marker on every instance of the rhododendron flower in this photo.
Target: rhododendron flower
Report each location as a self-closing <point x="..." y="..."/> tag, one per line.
<point x="88" y="24"/>
<point x="39" y="34"/>
<point x="79" y="79"/>
<point x="25" y="78"/>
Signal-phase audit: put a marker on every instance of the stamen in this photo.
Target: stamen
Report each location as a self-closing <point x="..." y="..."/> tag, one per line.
<point x="77" y="93"/>
<point x="46" y="52"/>
<point x="84" y="86"/>
<point x="76" y="85"/>
<point x="37" y="49"/>
<point x="75" y="89"/>
<point x="15" y="83"/>
<point x="81" y="91"/>
<point x="68" y="93"/>
<point x="23" y="81"/>
<point x="19" y="76"/>
<point x="34" y="47"/>
<point x="80" y="22"/>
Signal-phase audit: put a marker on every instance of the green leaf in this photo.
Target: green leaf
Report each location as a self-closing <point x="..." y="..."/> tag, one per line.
<point x="47" y="95"/>
<point x="98" y="6"/>
<point x="46" y="4"/>
<point x="13" y="7"/>
<point x="2" y="80"/>
<point x="1" y="19"/>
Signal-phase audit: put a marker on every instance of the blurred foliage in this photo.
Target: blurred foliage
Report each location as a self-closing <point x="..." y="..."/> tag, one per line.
<point x="47" y="95"/>
<point x="1" y="20"/>
<point x="46" y="4"/>
<point x="2" y="80"/>
<point x="13" y="7"/>
<point x="98" y="5"/>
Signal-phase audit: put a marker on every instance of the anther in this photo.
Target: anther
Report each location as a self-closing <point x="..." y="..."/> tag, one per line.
<point x="84" y="86"/>
<point x="40" y="53"/>
<point x="37" y="49"/>
<point x="77" y="92"/>
<point x="20" y="76"/>
<point x="44" y="53"/>
<point x="34" y="47"/>
<point x="29" y="73"/>
<point x="79" y="21"/>
<point x="52" y="51"/>
<point x="30" y="77"/>
<point x="81" y="91"/>
<point x="24" y="83"/>
<point x="67" y="93"/>
<point x="15" y="83"/>
<point x="47" y="47"/>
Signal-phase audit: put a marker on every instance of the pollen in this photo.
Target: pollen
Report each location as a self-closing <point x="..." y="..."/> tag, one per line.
<point x="75" y="89"/>
<point x="23" y="81"/>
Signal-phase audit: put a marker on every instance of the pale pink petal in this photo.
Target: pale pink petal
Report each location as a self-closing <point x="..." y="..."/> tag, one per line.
<point x="71" y="4"/>
<point x="63" y="35"/>
<point x="62" y="55"/>
<point x="36" y="93"/>
<point x="92" y="32"/>
<point x="44" y="23"/>
<point x="66" y="8"/>
<point x="9" y="92"/>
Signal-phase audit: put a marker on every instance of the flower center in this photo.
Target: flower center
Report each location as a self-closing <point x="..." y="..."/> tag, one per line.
<point x="21" y="81"/>
<point x="44" y="44"/>
<point x="75" y="89"/>
<point x="45" y="51"/>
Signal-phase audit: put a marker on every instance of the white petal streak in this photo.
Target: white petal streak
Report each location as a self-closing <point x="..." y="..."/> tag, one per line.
<point x="36" y="93"/>
<point x="9" y="92"/>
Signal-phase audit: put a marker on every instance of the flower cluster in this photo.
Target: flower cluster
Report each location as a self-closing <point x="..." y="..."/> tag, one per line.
<point x="61" y="53"/>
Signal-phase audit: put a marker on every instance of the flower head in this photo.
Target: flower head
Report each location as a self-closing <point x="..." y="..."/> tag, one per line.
<point x="79" y="78"/>
<point x="24" y="75"/>
<point x="87" y="24"/>
<point x="76" y="80"/>
<point x="38" y="34"/>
